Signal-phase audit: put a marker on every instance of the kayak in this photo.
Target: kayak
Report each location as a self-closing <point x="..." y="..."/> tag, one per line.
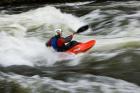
<point x="82" y="47"/>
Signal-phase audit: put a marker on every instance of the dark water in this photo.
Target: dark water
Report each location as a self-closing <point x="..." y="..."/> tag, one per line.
<point x="111" y="66"/>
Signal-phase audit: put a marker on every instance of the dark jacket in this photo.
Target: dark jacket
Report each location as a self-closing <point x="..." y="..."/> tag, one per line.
<point x="59" y="43"/>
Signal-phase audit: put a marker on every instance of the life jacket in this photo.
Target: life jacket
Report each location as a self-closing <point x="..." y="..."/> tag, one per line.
<point x="54" y="42"/>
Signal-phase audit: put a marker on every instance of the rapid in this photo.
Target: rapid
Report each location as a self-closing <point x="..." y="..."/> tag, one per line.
<point x="111" y="66"/>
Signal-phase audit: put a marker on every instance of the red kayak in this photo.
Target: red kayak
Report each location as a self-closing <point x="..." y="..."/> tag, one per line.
<point x="82" y="47"/>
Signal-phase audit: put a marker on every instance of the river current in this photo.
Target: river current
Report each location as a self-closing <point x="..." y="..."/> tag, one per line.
<point x="111" y="66"/>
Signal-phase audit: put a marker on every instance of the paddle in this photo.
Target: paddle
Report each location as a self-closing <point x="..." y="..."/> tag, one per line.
<point x="81" y="29"/>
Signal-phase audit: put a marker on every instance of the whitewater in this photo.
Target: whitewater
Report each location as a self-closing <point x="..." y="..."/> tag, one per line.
<point x="111" y="66"/>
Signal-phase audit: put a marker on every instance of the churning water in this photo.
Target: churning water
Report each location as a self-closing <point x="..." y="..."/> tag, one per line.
<point x="111" y="66"/>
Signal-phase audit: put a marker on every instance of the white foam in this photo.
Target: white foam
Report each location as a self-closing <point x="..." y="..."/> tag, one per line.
<point x="18" y="49"/>
<point x="49" y="16"/>
<point x="24" y="51"/>
<point x="88" y="83"/>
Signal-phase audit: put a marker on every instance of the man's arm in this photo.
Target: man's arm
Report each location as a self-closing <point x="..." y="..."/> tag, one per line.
<point x="48" y="44"/>
<point x="68" y="38"/>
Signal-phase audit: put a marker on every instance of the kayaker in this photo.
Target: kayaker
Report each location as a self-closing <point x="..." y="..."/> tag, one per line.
<point x="60" y="43"/>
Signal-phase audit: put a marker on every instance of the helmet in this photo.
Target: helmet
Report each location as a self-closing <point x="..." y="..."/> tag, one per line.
<point x="58" y="31"/>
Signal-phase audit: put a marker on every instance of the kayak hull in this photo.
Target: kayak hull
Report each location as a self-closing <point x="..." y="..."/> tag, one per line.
<point x="82" y="47"/>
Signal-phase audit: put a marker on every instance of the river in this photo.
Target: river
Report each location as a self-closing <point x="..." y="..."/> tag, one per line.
<point x="111" y="66"/>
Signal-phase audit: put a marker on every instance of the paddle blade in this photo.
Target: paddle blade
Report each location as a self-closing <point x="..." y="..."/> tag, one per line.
<point x="82" y="29"/>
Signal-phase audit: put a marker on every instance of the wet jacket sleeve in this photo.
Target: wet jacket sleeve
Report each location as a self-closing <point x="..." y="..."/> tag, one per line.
<point x="48" y="44"/>
<point x="68" y="38"/>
